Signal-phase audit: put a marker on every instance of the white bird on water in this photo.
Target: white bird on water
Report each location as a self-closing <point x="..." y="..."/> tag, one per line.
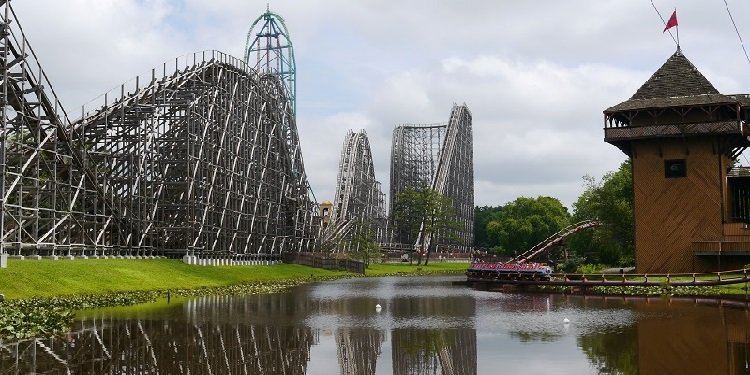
<point x="378" y="308"/>
<point x="566" y="320"/>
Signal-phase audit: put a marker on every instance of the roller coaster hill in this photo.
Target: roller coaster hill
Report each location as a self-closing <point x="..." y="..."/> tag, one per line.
<point x="199" y="156"/>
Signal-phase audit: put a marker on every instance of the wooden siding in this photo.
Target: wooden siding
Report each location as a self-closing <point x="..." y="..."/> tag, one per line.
<point x="671" y="213"/>
<point x="737" y="231"/>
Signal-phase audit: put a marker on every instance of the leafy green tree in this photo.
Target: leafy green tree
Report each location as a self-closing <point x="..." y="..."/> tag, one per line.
<point x="482" y="217"/>
<point x="425" y="210"/>
<point x="611" y="202"/>
<point x="525" y="222"/>
<point x="364" y="247"/>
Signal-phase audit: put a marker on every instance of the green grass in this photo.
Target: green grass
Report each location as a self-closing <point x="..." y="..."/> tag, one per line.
<point x="384" y="269"/>
<point x="47" y="278"/>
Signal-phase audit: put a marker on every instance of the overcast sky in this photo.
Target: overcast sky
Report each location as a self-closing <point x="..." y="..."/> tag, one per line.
<point x="535" y="74"/>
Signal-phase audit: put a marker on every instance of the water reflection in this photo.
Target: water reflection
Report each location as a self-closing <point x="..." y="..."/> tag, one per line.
<point x="722" y="333"/>
<point x="209" y="337"/>
<point x="426" y="326"/>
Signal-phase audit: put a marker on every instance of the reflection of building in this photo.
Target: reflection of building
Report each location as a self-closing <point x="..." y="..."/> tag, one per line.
<point x="358" y="350"/>
<point x="709" y="340"/>
<point x="692" y="209"/>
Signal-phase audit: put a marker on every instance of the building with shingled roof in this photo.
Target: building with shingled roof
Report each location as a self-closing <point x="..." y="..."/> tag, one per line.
<point x="691" y="205"/>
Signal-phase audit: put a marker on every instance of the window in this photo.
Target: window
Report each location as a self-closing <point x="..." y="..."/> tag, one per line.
<point x="675" y="168"/>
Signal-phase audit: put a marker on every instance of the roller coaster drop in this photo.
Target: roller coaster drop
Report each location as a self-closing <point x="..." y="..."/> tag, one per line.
<point x="202" y="159"/>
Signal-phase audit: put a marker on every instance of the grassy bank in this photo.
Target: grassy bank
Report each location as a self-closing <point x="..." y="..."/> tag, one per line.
<point x="42" y="295"/>
<point x="47" y="278"/>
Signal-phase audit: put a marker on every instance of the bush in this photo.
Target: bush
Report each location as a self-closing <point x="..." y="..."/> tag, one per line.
<point x="590" y="268"/>
<point x="569" y="266"/>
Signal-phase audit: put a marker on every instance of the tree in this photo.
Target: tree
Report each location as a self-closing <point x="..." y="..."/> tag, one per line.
<point x="525" y="222"/>
<point x="611" y="202"/>
<point x="364" y="247"/>
<point x="427" y="212"/>
<point x="482" y="217"/>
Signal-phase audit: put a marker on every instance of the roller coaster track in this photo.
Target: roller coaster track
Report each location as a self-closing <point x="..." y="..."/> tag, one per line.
<point x="555" y="240"/>
<point x="201" y="155"/>
<point x="359" y="201"/>
<point x="439" y="156"/>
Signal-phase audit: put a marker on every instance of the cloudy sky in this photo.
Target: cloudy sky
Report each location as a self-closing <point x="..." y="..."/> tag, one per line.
<point x="535" y="74"/>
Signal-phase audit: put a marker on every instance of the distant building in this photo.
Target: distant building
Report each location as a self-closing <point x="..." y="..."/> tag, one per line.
<point x="691" y="205"/>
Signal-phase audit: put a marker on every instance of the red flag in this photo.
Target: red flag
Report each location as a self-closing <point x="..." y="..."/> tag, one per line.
<point x="672" y="21"/>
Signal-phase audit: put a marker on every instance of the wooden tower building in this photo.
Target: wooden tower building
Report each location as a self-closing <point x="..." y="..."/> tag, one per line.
<point x="691" y="205"/>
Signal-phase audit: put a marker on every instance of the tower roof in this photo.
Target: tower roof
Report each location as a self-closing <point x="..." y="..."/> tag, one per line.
<point x="677" y="77"/>
<point x="678" y="82"/>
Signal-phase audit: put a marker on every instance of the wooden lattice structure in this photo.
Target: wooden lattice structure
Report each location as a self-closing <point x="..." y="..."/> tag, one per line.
<point x="359" y="204"/>
<point x="440" y="157"/>
<point x="200" y="156"/>
<point x="683" y="136"/>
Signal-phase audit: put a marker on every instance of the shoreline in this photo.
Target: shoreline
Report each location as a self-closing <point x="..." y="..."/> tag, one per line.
<point x="44" y="295"/>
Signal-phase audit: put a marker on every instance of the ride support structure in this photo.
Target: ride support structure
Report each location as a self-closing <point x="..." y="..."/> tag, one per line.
<point x="359" y="206"/>
<point x="439" y="157"/>
<point x="199" y="156"/>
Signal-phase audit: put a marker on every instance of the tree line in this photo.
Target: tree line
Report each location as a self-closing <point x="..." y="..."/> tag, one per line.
<point x="513" y="228"/>
<point x="516" y="226"/>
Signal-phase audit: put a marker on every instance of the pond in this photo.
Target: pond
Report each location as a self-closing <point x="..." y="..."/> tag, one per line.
<point x="425" y="325"/>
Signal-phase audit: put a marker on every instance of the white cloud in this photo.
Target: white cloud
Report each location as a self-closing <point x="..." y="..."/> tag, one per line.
<point x="535" y="74"/>
<point x="536" y="124"/>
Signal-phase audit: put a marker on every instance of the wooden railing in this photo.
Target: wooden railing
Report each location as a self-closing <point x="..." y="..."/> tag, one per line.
<point x="671" y="130"/>
<point x="622" y="279"/>
<point x="325" y="262"/>
<point x="719" y="247"/>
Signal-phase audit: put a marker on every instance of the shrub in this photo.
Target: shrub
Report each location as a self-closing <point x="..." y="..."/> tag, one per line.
<point x="590" y="268"/>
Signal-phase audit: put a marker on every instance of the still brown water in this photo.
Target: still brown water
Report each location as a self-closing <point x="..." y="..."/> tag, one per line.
<point x="426" y="325"/>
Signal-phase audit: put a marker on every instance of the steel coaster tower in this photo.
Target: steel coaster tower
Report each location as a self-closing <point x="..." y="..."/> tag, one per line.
<point x="269" y="50"/>
<point x="439" y="156"/>
<point x="359" y="198"/>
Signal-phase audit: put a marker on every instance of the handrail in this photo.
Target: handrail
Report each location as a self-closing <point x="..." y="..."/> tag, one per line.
<point x="628" y="279"/>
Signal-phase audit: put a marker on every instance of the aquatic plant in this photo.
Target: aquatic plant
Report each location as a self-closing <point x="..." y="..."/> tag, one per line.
<point x="42" y="317"/>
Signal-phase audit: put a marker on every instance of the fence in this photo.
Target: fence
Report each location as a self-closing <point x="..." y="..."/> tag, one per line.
<point x="322" y="261"/>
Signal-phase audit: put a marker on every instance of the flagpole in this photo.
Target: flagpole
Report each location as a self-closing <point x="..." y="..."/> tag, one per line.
<point x="667" y="24"/>
<point x="678" y="31"/>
